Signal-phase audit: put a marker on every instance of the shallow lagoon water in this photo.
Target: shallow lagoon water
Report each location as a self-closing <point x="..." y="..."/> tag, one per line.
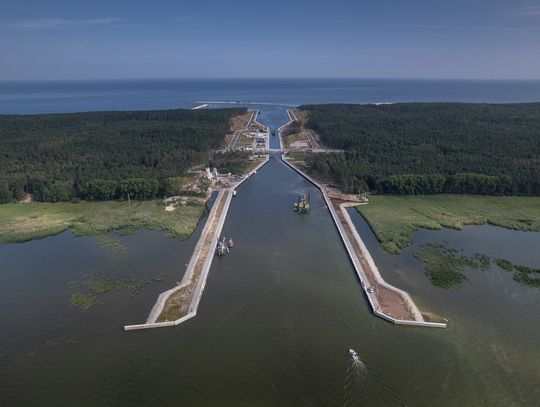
<point x="275" y="322"/>
<point x="276" y="319"/>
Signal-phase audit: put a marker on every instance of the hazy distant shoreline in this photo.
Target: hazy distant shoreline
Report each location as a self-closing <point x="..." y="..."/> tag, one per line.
<point x="78" y="96"/>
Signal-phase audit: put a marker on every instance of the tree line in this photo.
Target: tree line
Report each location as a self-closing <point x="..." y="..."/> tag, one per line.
<point x="105" y="155"/>
<point x="429" y="148"/>
<point x="233" y="161"/>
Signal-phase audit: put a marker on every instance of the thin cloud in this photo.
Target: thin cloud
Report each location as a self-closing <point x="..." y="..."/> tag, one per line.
<point x="527" y="11"/>
<point x="184" y="18"/>
<point x="457" y="27"/>
<point x="55" y="23"/>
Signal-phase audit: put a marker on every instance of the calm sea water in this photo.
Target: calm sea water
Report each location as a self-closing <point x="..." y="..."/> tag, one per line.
<point x="72" y="96"/>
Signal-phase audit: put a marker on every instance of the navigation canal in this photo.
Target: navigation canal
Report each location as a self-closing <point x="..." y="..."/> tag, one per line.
<point x="274" y="325"/>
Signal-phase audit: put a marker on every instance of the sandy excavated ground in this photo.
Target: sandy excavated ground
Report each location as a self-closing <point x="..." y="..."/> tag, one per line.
<point x="299" y="145"/>
<point x="391" y="302"/>
<point x="240" y="122"/>
<point x="177" y="304"/>
<point x="27" y="198"/>
<point x="335" y="193"/>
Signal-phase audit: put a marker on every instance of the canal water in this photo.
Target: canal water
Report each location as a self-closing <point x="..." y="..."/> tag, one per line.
<point x="275" y="322"/>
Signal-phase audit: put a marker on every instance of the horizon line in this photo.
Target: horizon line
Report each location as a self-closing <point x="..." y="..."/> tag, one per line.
<point x="272" y="78"/>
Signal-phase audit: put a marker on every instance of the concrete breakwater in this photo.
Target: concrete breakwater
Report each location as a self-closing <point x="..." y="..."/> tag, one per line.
<point x="204" y="105"/>
<point x="256" y="114"/>
<point x="280" y="129"/>
<point x="367" y="271"/>
<point x="194" y="279"/>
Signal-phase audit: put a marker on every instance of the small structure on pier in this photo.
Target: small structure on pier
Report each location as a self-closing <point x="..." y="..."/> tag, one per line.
<point x="261" y="139"/>
<point x="224" y="246"/>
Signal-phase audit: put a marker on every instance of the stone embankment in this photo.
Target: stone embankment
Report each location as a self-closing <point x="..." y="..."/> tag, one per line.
<point x="291" y="119"/>
<point x="181" y="302"/>
<point x="386" y="301"/>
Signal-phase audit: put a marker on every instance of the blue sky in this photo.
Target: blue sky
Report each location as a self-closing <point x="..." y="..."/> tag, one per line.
<point x="487" y="39"/>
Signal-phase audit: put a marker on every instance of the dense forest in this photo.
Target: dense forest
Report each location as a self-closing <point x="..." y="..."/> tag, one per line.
<point x="429" y="148"/>
<point x="105" y="155"/>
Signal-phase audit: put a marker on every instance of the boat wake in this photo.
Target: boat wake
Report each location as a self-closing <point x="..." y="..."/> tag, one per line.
<point x="355" y="386"/>
<point x="363" y="385"/>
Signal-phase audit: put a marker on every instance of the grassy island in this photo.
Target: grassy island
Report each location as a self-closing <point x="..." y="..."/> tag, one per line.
<point x="445" y="266"/>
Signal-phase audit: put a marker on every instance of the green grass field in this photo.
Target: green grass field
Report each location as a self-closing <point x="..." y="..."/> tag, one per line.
<point x="394" y="219"/>
<point x="23" y="222"/>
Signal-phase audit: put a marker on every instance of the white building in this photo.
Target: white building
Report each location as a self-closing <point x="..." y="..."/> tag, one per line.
<point x="261" y="138"/>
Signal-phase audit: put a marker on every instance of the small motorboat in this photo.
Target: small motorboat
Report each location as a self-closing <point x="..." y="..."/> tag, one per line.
<point x="353" y="355"/>
<point x="234" y="193"/>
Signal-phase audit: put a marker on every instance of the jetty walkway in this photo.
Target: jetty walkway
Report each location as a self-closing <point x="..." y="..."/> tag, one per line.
<point x="180" y="303"/>
<point x="386" y="301"/>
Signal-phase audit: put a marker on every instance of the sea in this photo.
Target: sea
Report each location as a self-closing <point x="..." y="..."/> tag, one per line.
<point x="30" y="97"/>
